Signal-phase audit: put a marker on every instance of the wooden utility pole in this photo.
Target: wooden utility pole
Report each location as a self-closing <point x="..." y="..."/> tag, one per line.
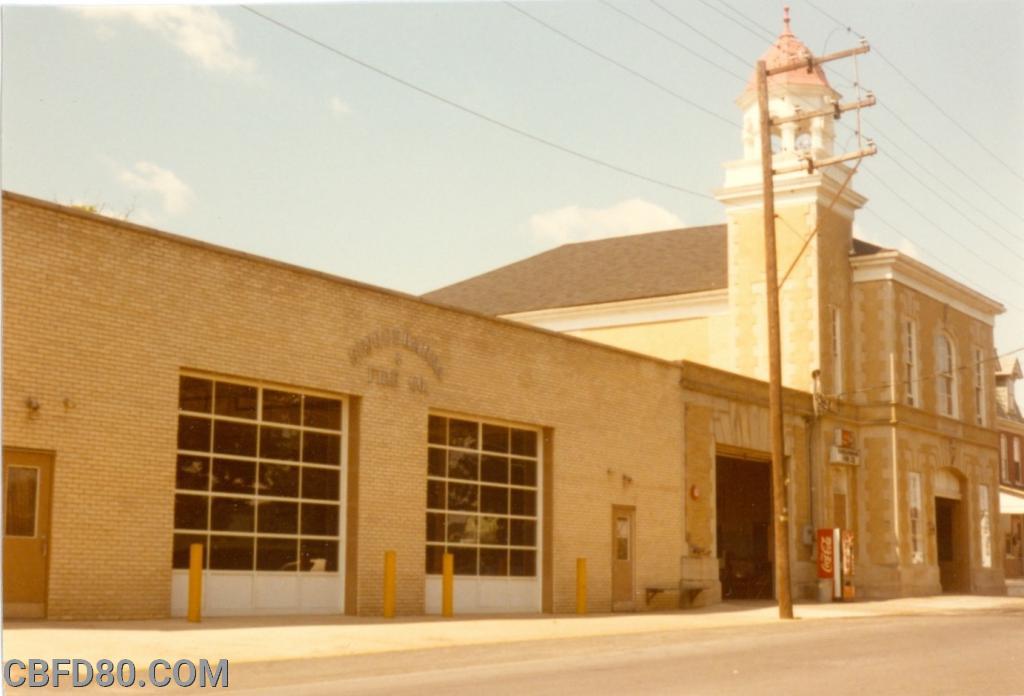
<point x="783" y="592"/>
<point x="780" y="513"/>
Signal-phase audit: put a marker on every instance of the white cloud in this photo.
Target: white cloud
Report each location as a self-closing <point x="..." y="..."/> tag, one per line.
<point x="339" y="107"/>
<point x="198" y="32"/>
<point x="576" y="224"/>
<point x="175" y="195"/>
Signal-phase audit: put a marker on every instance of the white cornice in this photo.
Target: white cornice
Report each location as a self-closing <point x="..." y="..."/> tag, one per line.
<point x="896" y="267"/>
<point x="627" y="312"/>
<point x="743" y="188"/>
<point x="1010" y="425"/>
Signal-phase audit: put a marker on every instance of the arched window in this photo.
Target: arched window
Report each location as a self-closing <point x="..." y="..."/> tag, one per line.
<point x="945" y="361"/>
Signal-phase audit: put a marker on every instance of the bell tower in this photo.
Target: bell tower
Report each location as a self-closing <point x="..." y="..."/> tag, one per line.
<point x="814" y="217"/>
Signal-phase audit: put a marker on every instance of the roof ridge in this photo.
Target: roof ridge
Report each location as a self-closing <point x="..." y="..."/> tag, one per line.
<point x="647" y="233"/>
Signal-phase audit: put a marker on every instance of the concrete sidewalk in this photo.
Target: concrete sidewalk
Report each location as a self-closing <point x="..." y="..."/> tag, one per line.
<point x="295" y="637"/>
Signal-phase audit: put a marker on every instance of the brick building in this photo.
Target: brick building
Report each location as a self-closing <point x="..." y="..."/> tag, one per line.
<point x="899" y="357"/>
<point x="1010" y="423"/>
<point x="158" y="391"/>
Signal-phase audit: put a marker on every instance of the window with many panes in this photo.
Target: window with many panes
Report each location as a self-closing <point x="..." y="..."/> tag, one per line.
<point x="482" y="497"/>
<point x="985" y="527"/>
<point x="1017" y="471"/>
<point x="1004" y="457"/>
<point x="910" y="362"/>
<point x="945" y="381"/>
<point x="837" y="350"/>
<point x="979" y="387"/>
<point x="258" y="477"/>
<point x="916" y="531"/>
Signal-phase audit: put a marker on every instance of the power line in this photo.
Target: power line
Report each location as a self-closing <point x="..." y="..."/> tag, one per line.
<point x="950" y="162"/>
<point x="945" y="158"/>
<point x="673" y="15"/>
<point x="472" y="112"/>
<point x="671" y="39"/>
<point x="929" y="377"/>
<point x="981" y="229"/>
<point x="943" y="231"/>
<point x="929" y="144"/>
<point x="924" y="94"/>
<point x="939" y="228"/>
<point x="757" y="31"/>
<point x="622" y="66"/>
<point x="886" y="108"/>
<point x="954" y="272"/>
<point x="891" y="142"/>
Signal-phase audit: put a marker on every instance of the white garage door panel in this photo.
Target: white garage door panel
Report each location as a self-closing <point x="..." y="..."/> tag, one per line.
<point x="226" y="595"/>
<point x="242" y="594"/>
<point x="276" y="592"/>
<point x="320" y="593"/>
<point x="473" y="595"/>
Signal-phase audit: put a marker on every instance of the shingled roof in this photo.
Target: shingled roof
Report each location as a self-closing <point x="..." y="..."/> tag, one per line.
<point x="655" y="264"/>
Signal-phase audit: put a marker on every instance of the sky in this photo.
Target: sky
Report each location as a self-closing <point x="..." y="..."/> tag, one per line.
<point x="217" y="124"/>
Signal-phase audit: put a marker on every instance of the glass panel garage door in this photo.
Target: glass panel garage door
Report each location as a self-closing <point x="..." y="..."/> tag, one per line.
<point x="258" y="482"/>
<point x="483" y="507"/>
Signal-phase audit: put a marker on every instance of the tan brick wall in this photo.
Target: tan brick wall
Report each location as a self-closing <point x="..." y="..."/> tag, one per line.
<point x="683" y="339"/>
<point x="799" y="296"/>
<point x="727" y="415"/>
<point x="100" y="317"/>
<point x="925" y="441"/>
<point x="103" y="316"/>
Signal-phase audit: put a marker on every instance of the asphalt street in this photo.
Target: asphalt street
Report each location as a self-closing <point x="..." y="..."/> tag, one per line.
<point x="945" y="654"/>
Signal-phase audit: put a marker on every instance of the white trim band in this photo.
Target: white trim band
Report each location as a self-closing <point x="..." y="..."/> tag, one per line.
<point x="649" y="310"/>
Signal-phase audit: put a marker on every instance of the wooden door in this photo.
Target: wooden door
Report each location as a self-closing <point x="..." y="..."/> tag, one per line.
<point x="27" y="478"/>
<point x="951" y="541"/>
<point x="623" y="553"/>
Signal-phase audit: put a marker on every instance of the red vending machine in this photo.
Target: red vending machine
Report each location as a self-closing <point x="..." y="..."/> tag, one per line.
<point x="836" y="561"/>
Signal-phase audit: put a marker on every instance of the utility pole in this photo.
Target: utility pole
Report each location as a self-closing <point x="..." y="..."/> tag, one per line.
<point x="783" y="584"/>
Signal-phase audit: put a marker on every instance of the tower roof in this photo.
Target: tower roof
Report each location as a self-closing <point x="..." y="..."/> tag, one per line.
<point x="788" y="49"/>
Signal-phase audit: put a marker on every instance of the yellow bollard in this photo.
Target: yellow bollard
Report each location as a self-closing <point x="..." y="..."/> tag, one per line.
<point x="581" y="586"/>
<point x="389" y="584"/>
<point x="448" y="585"/>
<point x="195" y="582"/>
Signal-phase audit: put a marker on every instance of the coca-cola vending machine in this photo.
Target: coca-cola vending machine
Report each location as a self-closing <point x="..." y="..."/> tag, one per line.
<point x="835" y="561"/>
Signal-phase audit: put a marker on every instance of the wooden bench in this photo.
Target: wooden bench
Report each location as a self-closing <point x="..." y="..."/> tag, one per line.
<point x="690" y="588"/>
<point x="651" y="592"/>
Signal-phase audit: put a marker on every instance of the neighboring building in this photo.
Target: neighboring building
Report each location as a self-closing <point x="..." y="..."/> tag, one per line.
<point x="894" y="351"/>
<point x="1010" y="424"/>
<point x="159" y="392"/>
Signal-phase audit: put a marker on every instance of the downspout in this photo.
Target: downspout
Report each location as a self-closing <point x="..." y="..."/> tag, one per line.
<point x="812" y="422"/>
<point x="895" y="460"/>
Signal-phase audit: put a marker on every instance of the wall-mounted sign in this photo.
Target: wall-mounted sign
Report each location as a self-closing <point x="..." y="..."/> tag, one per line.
<point x="843" y="455"/>
<point x="844" y="438"/>
<point x="844" y="448"/>
<point x="372" y="348"/>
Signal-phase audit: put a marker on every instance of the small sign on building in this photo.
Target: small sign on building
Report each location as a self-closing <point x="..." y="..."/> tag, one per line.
<point x="843" y="449"/>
